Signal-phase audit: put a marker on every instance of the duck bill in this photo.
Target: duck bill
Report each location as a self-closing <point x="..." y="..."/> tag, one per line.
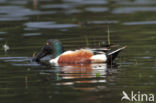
<point x="42" y="53"/>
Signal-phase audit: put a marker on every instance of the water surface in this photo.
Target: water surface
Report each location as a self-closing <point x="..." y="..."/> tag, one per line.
<point x="25" y="25"/>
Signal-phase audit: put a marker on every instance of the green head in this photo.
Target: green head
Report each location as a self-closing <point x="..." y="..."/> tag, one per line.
<point x="52" y="46"/>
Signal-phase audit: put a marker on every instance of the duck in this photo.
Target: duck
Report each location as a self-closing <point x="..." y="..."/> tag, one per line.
<point x="80" y="56"/>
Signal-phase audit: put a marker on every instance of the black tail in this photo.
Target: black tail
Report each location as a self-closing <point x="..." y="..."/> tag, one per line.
<point x="112" y="55"/>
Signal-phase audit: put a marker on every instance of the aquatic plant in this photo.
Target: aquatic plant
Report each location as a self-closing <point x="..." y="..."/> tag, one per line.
<point x="86" y="40"/>
<point x="108" y="36"/>
<point x="5" y="47"/>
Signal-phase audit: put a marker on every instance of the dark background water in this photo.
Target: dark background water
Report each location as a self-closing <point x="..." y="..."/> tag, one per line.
<point x="26" y="24"/>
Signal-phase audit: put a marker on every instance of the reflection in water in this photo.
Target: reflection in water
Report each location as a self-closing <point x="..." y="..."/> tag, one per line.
<point x="87" y="70"/>
<point x="15" y="59"/>
<point x="137" y="2"/>
<point x="12" y="13"/>
<point x="81" y="74"/>
<point x="1" y="33"/>
<point x="99" y="9"/>
<point x="26" y="82"/>
<point x="127" y="10"/>
<point x="48" y="25"/>
<point x="32" y="34"/>
<point x="63" y="6"/>
<point x="35" y="3"/>
<point x="140" y="23"/>
<point x="18" y="2"/>
<point x="103" y="22"/>
<point x="87" y="2"/>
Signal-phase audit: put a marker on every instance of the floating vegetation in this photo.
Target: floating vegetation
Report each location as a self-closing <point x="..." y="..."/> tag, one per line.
<point x="86" y="40"/>
<point x="98" y="74"/>
<point x="140" y="75"/>
<point x="5" y="47"/>
<point x="108" y="38"/>
<point x="104" y="44"/>
<point x="33" y="55"/>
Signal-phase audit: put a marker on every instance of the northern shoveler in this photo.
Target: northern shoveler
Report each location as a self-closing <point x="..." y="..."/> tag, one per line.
<point x="81" y="56"/>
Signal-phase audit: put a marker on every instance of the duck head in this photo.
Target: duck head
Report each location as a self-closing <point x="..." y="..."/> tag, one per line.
<point x="51" y="47"/>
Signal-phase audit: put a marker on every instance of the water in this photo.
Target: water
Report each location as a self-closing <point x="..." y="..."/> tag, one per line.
<point x="26" y="24"/>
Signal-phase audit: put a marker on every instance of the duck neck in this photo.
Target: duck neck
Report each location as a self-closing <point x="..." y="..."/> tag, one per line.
<point x="58" y="49"/>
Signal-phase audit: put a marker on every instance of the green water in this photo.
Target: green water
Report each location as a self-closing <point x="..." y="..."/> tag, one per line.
<point x="26" y="24"/>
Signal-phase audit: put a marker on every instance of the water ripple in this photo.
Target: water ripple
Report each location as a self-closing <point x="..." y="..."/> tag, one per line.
<point x="18" y="13"/>
<point x="140" y="23"/>
<point x="87" y="2"/>
<point x="127" y="10"/>
<point x="64" y="6"/>
<point x="18" y="2"/>
<point x="15" y="13"/>
<point x="32" y="34"/>
<point x="103" y="22"/>
<point x="137" y="2"/>
<point x="1" y="33"/>
<point x="48" y="25"/>
<point x="97" y="9"/>
<point x="15" y="59"/>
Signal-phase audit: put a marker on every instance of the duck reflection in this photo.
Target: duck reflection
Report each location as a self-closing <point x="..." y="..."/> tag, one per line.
<point x="83" y="70"/>
<point x="81" y="76"/>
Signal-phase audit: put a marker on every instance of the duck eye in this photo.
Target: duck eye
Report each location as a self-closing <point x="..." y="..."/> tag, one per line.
<point x="47" y="44"/>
